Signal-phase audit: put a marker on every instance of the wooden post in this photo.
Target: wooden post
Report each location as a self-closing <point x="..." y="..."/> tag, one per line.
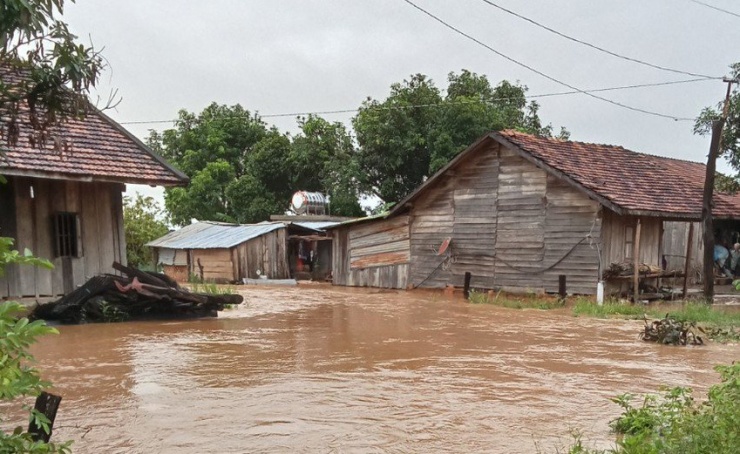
<point x="46" y="404"/>
<point x="466" y="287"/>
<point x="706" y="212"/>
<point x="562" y="287"/>
<point x="636" y="258"/>
<point x="688" y="260"/>
<point x="715" y="148"/>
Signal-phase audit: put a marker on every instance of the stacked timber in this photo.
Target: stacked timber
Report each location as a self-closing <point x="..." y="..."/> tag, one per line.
<point x="136" y="295"/>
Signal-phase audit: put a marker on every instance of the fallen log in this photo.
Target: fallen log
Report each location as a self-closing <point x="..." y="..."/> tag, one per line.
<point x="135" y="296"/>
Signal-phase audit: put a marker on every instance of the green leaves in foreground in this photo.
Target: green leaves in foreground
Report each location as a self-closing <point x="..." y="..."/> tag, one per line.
<point x="18" y="379"/>
<point x="673" y="422"/>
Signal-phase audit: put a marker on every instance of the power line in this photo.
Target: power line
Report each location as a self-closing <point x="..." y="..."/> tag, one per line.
<point x="342" y="111"/>
<point x="536" y="71"/>
<point x="593" y="46"/>
<point x="715" y="8"/>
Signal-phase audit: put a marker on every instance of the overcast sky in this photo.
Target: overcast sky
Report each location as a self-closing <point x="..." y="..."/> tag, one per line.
<point x="284" y="56"/>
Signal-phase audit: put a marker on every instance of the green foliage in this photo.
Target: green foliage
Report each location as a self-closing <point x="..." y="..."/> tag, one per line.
<point x="323" y="159"/>
<point x="56" y="72"/>
<point x="416" y="130"/>
<point x="142" y="222"/>
<point x="18" y="378"/>
<point x="514" y="302"/>
<point x="731" y="132"/>
<point x="243" y="172"/>
<point x="673" y="422"/>
<point x="8" y="256"/>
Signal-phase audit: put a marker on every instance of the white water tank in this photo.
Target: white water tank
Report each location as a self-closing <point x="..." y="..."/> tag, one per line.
<point x="304" y="202"/>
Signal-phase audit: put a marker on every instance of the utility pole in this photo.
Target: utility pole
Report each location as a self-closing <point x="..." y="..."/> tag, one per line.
<point x="706" y="211"/>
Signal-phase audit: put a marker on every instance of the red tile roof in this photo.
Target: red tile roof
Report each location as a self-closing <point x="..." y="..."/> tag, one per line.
<point x="99" y="149"/>
<point x="634" y="182"/>
<point x="625" y="181"/>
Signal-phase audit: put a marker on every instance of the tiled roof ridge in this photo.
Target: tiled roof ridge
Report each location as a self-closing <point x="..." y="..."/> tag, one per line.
<point x="506" y="132"/>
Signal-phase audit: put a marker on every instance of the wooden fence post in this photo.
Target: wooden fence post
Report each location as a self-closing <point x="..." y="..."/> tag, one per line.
<point x="46" y="404"/>
<point x="466" y="287"/>
<point x="562" y="287"/>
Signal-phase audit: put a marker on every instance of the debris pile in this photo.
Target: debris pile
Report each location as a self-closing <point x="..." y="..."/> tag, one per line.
<point x="136" y="295"/>
<point x="671" y="331"/>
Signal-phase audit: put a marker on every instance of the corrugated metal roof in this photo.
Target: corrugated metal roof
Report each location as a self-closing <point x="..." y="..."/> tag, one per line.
<point x="213" y="235"/>
<point x="316" y="225"/>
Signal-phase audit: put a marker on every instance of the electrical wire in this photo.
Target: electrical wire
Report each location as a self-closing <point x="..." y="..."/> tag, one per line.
<point x="546" y="76"/>
<point x="593" y="46"/>
<point x="413" y="106"/>
<point x="715" y="8"/>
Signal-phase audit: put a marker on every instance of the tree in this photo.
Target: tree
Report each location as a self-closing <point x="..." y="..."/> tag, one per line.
<point x="731" y="133"/>
<point x="18" y="378"/>
<point x="242" y="171"/>
<point x="142" y="222"/>
<point x="322" y="158"/>
<point x="416" y="130"/>
<point x="43" y="67"/>
<point x="213" y="148"/>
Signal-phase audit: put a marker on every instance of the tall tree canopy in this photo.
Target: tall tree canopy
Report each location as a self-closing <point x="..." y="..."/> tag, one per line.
<point x="142" y="222"/>
<point x="242" y="171"/>
<point x="731" y="133"/>
<point x="417" y="129"/>
<point x="43" y="67"/>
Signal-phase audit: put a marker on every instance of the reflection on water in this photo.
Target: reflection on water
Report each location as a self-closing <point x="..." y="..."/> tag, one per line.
<point x="322" y="369"/>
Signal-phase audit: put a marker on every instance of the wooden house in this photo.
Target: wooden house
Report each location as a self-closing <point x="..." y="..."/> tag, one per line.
<point x="63" y="201"/>
<point x="221" y="252"/>
<point x="517" y="211"/>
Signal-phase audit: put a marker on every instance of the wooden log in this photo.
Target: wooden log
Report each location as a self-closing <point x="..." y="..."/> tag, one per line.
<point x="46" y="404"/>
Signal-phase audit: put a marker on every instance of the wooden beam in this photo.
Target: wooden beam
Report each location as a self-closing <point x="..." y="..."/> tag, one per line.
<point x="636" y="258"/>
<point x="688" y="260"/>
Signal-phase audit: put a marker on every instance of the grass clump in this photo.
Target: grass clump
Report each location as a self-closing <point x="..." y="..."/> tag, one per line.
<point x="717" y="324"/>
<point x="514" y="302"/>
<point x="673" y="422"/>
<point x="610" y="308"/>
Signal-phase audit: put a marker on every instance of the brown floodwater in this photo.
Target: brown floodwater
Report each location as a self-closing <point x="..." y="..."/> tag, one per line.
<point x="315" y="368"/>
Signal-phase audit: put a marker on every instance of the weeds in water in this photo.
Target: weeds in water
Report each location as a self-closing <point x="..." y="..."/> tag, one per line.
<point x="212" y="288"/>
<point x="529" y="301"/>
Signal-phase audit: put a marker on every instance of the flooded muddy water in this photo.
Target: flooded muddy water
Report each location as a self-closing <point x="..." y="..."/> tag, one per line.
<point x="320" y="369"/>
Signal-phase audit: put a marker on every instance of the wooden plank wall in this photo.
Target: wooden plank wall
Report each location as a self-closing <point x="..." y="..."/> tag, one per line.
<point x="216" y="263"/>
<point x="675" y="237"/>
<point x="100" y="238"/>
<point x="475" y="220"/>
<point x="267" y="253"/>
<point x="431" y="222"/>
<point x="520" y="237"/>
<point x="374" y="254"/>
<point x="510" y="223"/>
<point x="615" y="229"/>
<point x="572" y="227"/>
